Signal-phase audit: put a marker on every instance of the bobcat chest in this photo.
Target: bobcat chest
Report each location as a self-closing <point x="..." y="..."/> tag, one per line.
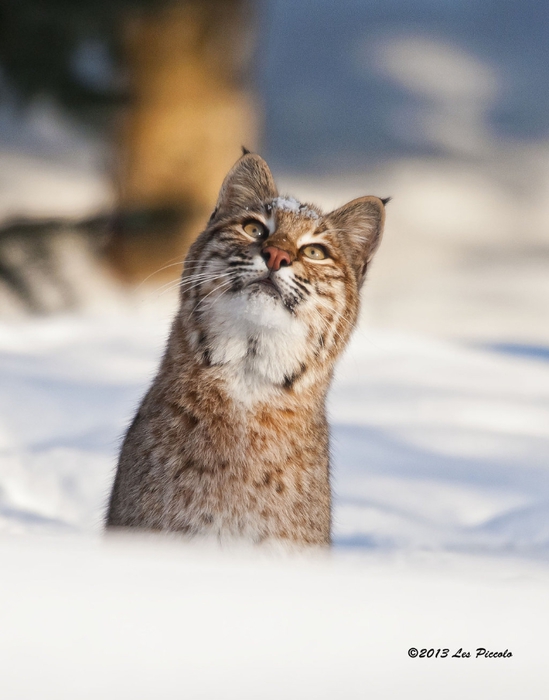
<point x="257" y="486"/>
<point x="260" y="353"/>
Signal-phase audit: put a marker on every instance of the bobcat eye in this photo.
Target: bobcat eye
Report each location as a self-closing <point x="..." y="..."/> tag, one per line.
<point x="255" y="229"/>
<point x="315" y="252"/>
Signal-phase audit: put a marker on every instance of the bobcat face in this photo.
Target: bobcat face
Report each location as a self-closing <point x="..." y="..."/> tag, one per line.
<point x="283" y="255"/>
<point x="293" y="259"/>
<point x="276" y="281"/>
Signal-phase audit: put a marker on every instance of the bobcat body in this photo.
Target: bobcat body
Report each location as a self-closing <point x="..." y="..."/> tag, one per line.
<point x="231" y="440"/>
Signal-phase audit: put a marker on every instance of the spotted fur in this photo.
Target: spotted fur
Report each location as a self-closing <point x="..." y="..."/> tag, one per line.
<point x="232" y="439"/>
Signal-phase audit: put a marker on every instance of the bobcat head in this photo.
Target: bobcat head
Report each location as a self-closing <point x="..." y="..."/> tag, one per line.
<point x="273" y="284"/>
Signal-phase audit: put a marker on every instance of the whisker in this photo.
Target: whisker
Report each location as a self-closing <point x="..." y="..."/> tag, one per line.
<point x="160" y="269"/>
<point x="187" y="284"/>
<point x="204" y="275"/>
<point x="168" y="288"/>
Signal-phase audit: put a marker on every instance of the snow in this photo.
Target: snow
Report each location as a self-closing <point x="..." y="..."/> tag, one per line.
<point x="440" y="445"/>
<point x="441" y="519"/>
<point x="50" y="166"/>
<point x="435" y="444"/>
<point x="86" y="620"/>
<point x="441" y="480"/>
<point x="293" y="205"/>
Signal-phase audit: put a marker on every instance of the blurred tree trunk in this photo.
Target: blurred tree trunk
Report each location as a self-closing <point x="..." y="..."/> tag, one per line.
<point x="189" y="114"/>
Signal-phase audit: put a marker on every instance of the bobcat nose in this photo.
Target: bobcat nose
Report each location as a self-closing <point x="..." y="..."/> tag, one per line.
<point x="275" y="258"/>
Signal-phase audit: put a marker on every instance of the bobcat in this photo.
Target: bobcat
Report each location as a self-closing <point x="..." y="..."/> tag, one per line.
<point x="231" y="439"/>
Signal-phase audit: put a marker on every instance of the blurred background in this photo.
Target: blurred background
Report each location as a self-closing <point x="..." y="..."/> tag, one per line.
<point x="118" y="122"/>
<point x="119" y="119"/>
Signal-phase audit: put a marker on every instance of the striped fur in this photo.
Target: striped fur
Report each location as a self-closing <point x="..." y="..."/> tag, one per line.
<point x="231" y="440"/>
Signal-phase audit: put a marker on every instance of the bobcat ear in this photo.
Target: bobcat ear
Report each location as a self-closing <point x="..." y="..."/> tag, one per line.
<point x="359" y="225"/>
<point x="248" y="182"/>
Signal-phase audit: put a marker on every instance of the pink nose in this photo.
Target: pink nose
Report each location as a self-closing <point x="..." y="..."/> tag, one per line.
<point x="275" y="258"/>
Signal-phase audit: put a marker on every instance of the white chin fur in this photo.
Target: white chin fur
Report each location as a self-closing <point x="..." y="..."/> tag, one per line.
<point x="252" y="311"/>
<point x="279" y="341"/>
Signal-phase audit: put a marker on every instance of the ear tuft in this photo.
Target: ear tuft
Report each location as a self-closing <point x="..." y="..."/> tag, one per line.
<point x="248" y="183"/>
<point x="359" y="225"/>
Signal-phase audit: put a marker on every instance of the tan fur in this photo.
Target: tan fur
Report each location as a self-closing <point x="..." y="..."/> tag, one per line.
<point x="232" y="439"/>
